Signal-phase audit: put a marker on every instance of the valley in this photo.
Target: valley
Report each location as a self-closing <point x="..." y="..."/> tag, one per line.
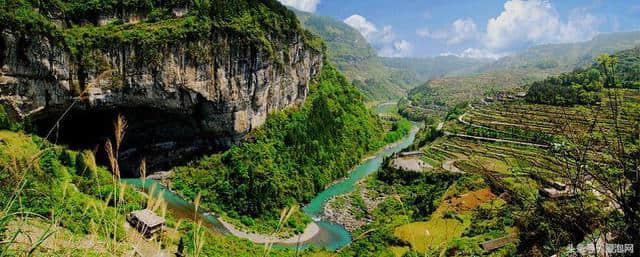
<point x="249" y="128"/>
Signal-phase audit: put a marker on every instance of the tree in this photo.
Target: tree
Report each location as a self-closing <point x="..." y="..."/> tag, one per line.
<point x="616" y="179"/>
<point x="608" y="65"/>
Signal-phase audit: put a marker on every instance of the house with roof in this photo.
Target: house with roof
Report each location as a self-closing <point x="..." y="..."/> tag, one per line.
<point x="146" y="222"/>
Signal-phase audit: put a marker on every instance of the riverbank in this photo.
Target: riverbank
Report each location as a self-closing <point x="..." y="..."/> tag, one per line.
<point x="347" y="220"/>
<point x="309" y="232"/>
<point x="369" y="157"/>
<point x="343" y="211"/>
<point x="323" y="233"/>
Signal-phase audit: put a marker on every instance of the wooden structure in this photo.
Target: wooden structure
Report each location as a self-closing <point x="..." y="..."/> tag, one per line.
<point x="146" y="222"/>
<point x="498" y="243"/>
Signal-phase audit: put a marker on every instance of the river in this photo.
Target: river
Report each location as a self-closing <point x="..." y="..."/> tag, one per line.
<point x="331" y="236"/>
<point x="385" y="107"/>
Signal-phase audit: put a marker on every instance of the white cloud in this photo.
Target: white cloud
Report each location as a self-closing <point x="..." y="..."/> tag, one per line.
<point x="361" y="24"/>
<point x="383" y="40"/>
<point x="459" y="31"/>
<point x="400" y="48"/>
<point x="522" y="23"/>
<point x="303" y="5"/>
<point x="387" y="35"/>
<point x="462" y="30"/>
<point x="536" y="21"/>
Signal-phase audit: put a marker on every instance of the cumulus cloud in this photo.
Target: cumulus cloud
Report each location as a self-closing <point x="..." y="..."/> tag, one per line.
<point x="536" y="21"/>
<point x="303" y="5"/>
<point x="522" y="23"/>
<point x="366" y="28"/>
<point x="383" y="40"/>
<point x="459" y="31"/>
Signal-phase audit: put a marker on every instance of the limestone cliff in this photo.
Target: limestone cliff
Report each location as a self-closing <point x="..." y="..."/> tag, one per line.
<point x="220" y="88"/>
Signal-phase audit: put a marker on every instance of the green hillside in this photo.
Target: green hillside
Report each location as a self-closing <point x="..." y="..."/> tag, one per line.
<point x="295" y="155"/>
<point x="377" y="77"/>
<point x="76" y="26"/>
<point x="352" y="54"/>
<point x="585" y="86"/>
<point x="514" y="72"/>
<point x="557" y="58"/>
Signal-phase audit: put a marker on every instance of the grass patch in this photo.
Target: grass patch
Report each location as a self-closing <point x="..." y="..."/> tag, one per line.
<point x="447" y="223"/>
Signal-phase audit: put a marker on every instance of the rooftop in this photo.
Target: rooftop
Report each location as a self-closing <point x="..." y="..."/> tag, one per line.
<point x="147" y="217"/>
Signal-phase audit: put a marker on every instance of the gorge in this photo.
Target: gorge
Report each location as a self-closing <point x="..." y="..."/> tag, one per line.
<point x="183" y="101"/>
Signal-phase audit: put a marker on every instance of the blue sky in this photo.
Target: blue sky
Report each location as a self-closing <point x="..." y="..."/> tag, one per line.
<point x="475" y="28"/>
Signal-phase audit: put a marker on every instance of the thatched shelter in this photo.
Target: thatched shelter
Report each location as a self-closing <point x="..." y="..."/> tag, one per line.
<point x="146" y="222"/>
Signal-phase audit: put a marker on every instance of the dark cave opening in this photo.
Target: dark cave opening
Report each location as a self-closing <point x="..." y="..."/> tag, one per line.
<point x="162" y="138"/>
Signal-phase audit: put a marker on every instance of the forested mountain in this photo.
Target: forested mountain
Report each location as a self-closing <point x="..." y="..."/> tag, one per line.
<point x="379" y="78"/>
<point x="227" y="128"/>
<point x="534" y="64"/>
<point x="555" y="58"/>
<point x="351" y="53"/>
<point x="176" y="76"/>
<point x="585" y="85"/>
<point x="293" y="157"/>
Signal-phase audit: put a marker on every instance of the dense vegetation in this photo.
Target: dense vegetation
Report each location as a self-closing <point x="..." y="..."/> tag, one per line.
<point x="350" y="52"/>
<point x="379" y="78"/>
<point x="74" y="26"/>
<point x="63" y="187"/>
<point x="416" y="196"/>
<point x="514" y="72"/>
<point x="585" y="86"/>
<point x="426" y="135"/>
<point x="295" y="155"/>
<point x="558" y="58"/>
<point x="399" y="130"/>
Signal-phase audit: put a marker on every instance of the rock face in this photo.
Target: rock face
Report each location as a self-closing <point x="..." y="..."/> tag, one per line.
<point x="220" y="88"/>
<point x="342" y="210"/>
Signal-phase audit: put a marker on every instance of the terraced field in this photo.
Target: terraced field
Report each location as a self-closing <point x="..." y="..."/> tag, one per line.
<point x="516" y="150"/>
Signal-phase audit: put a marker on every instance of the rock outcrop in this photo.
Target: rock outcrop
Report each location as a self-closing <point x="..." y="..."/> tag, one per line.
<point x="342" y="210"/>
<point x="220" y="88"/>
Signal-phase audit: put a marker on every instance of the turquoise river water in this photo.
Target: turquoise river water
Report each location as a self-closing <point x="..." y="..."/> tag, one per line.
<point x="331" y="236"/>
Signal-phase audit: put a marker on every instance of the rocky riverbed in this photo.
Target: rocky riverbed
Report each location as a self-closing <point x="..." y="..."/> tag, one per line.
<point x="347" y="212"/>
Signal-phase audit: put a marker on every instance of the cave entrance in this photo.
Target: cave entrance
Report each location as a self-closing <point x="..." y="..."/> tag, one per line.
<point x="163" y="139"/>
